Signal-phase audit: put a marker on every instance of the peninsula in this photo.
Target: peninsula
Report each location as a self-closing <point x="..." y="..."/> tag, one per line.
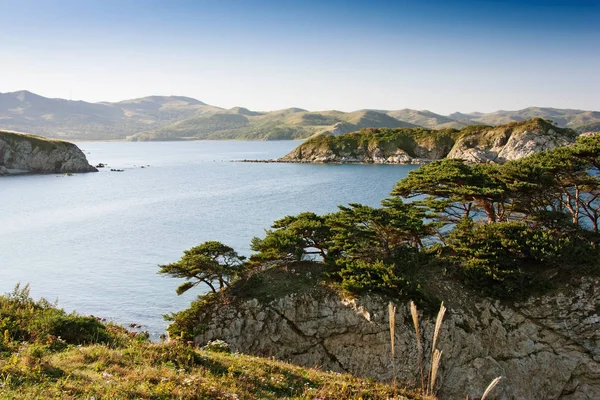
<point x="23" y="153"/>
<point x="475" y="143"/>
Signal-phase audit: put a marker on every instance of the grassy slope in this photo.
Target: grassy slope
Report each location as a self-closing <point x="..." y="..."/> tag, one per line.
<point x="561" y="117"/>
<point x="426" y="119"/>
<point x="595" y="127"/>
<point x="283" y="124"/>
<point x="36" y="141"/>
<point x="45" y="353"/>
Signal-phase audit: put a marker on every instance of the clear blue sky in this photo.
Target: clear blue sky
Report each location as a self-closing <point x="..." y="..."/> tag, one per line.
<point x="467" y="55"/>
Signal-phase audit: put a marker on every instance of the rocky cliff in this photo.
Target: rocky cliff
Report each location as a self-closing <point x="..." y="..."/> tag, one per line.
<point x="40" y="155"/>
<point x="545" y="348"/>
<point x="415" y="146"/>
<point x="509" y="142"/>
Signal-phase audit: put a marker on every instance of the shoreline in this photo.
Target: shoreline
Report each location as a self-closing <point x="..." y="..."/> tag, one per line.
<point x="279" y="161"/>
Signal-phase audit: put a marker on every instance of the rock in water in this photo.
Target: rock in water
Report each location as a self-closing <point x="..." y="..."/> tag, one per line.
<point x="40" y="155"/>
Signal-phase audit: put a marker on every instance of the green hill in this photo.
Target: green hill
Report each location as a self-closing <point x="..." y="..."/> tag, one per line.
<point x="426" y="119"/>
<point x="595" y="127"/>
<point x="566" y="118"/>
<point x="283" y="124"/>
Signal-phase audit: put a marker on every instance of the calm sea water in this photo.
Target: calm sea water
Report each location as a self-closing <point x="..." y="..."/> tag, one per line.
<point x="93" y="242"/>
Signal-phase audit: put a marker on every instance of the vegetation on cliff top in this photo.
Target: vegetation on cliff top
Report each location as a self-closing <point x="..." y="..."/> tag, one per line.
<point x="43" y="143"/>
<point x="406" y="139"/>
<point x="505" y="231"/>
<point x="418" y="142"/>
<point x="46" y="353"/>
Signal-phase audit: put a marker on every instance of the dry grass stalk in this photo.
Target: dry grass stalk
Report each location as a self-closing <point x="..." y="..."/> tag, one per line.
<point x="392" y="318"/>
<point x="435" y="364"/>
<point x="490" y="387"/>
<point x="436" y="332"/>
<point x="415" y="318"/>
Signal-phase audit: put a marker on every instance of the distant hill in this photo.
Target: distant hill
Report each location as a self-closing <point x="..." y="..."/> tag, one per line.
<point x="426" y="119"/>
<point x="66" y="119"/>
<point x="181" y="118"/>
<point x="290" y="123"/>
<point x="595" y="127"/>
<point x="566" y="118"/>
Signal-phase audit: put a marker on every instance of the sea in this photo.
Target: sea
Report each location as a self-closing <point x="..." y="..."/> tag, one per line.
<point x="93" y="242"/>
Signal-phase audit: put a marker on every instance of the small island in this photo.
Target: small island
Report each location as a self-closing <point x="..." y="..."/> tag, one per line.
<point x="24" y="153"/>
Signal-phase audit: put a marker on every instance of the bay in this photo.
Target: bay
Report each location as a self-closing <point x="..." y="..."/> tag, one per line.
<point x="93" y="242"/>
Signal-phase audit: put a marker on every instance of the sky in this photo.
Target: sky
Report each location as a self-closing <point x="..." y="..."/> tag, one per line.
<point x="444" y="56"/>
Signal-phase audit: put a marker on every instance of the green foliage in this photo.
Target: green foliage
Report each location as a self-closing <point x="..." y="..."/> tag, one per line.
<point x="367" y="233"/>
<point x="512" y="259"/>
<point x="189" y="322"/>
<point x="453" y="189"/>
<point x="293" y="238"/>
<point x="209" y="263"/>
<point x="387" y="139"/>
<point x="396" y="281"/>
<point x="25" y="319"/>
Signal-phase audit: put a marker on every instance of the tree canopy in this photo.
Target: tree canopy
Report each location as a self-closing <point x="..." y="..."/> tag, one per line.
<point x="211" y="263"/>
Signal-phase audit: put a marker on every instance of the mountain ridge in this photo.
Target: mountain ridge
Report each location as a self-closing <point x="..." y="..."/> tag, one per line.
<point x="182" y="118"/>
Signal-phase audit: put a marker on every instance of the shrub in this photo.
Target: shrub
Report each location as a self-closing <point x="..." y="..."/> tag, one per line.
<point x="511" y="259"/>
<point x="25" y="319"/>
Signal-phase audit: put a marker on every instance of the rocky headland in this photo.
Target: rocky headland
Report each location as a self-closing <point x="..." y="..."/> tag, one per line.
<point x="476" y="144"/>
<point x="544" y="348"/>
<point x="34" y="154"/>
<point x="521" y="284"/>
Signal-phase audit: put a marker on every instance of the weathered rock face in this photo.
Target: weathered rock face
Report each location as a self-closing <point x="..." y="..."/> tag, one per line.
<point x="39" y="155"/>
<point x="475" y="144"/>
<point x="509" y="142"/>
<point x="349" y="155"/>
<point x="546" y="348"/>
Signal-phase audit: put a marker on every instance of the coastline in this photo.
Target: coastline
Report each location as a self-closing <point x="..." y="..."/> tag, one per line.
<point x="279" y="161"/>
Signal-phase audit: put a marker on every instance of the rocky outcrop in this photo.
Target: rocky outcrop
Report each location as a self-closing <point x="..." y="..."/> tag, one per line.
<point x="35" y="154"/>
<point x="510" y="142"/>
<point x="545" y="348"/>
<point x="350" y="155"/>
<point x="476" y="144"/>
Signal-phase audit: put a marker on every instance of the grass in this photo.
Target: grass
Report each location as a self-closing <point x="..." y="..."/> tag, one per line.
<point x="36" y="141"/>
<point x="105" y="361"/>
<point x="142" y="370"/>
